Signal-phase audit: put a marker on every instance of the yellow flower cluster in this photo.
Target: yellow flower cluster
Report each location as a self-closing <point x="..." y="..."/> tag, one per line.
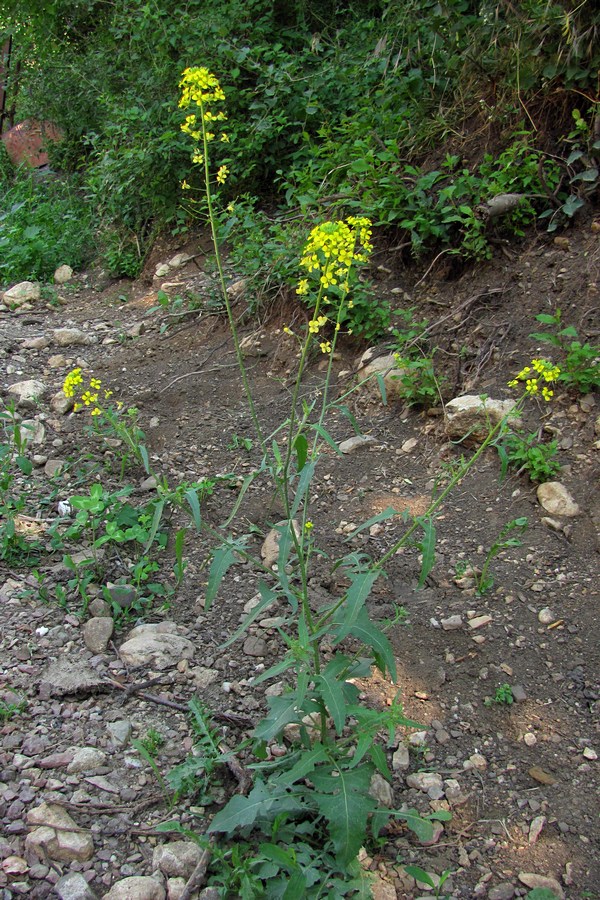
<point x="87" y="397"/>
<point x="316" y="324"/>
<point x="199" y="86"/>
<point x="331" y="250"/>
<point x="540" y="371"/>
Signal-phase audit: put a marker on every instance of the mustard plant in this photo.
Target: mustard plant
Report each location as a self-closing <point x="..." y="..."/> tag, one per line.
<point x="334" y="744"/>
<point x="109" y="419"/>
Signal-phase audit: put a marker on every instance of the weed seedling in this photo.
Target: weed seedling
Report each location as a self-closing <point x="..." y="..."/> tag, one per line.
<point x="485" y="581"/>
<point x="502" y="697"/>
<point x="8" y="710"/>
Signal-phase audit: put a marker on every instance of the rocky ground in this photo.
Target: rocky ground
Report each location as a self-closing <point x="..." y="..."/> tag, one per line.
<point x="78" y="801"/>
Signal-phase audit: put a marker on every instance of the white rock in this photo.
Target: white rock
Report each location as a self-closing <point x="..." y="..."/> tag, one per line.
<point x="471" y="418"/>
<point x="532" y="880"/>
<point x="24" y="292"/>
<point x="60" y="843"/>
<point x="546" y="616"/>
<point x="556" y="499"/>
<point x="429" y="783"/>
<point x="97" y="632"/>
<point x="386" y="365"/>
<point x="178" y="260"/>
<point x="155" y="645"/>
<point x="73" y="886"/>
<point x="32" y="431"/>
<point x="178" y="859"/>
<point x="63" y="274"/>
<point x="66" y="337"/>
<point x="27" y="392"/>
<point x="401" y="758"/>
<point x="62" y="404"/>
<point x="381" y="791"/>
<point x="353" y="443"/>
<point x="270" y="548"/>
<point x="138" y="887"/>
<point x="86" y="759"/>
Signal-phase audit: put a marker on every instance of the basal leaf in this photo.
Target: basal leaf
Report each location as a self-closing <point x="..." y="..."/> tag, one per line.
<point x="343" y="799"/>
<point x="305" y="765"/>
<point x="241" y="811"/>
<point x="282" y="711"/>
<point x="194" y="504"/>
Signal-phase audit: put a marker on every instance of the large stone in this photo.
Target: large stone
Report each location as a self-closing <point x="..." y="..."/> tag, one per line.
<point x="54" y="836"/>
<point x="556" y="499"/>
<point x="32" y="431"/>
<point x="137" y="887"/>
<point x="533" y="880"/>
<point x="86" y="759"/>
<point x="67" y="337"/>
<point x="270" y="548"/>
<point x="178" y="859"/>
<point x="63" y="274"/>
<point x="73" y="886"/>
<point x="24" y="292"/>
<point x="376" y="362"/>
<point x="97" y="632"/>
<point x="429" y="783"/>
<point x="355" y="442"/>
<point x="471" y="418"/>
<point x="381" y="791"/>
<point x="62" y="404"/>
<point x="156" y="645"/>
<point x="27" y="392"/>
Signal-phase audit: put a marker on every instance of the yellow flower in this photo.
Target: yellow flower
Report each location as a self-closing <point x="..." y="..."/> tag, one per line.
<point x="71" y="381"/>
<point x="185" y="186"/>
<point x="287" y="330"/>
<point x="313" y="326"/>
<point x="230" y="207"/>
<point x="197" y="157"/>
<point x="95" y="383"/>
<point x="107" y="394"/>
<point x="302" y="286"/>
<point x="325" y="346"/>
<point x="308" y="526"/>
<point x="119" y="404"/>
<point x="224" y="138"/>
<point x="222" y="174"/>
<point x="96" y="411"/>
<point x="198" y="85"/>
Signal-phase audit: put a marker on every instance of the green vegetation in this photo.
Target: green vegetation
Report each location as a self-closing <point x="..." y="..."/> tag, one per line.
<point x="502" y="697"/>
<point x="580" y="363"/>
<point x="527" y="453"/>
<point x="367" y="106"/>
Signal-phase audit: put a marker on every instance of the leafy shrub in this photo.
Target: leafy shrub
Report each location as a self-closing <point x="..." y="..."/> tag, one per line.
<point x="43" y="224"/>
<point x="527" y="453"/>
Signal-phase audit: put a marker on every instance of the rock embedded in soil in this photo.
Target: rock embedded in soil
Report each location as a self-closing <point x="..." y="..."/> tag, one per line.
<point x="63" y="274"/>
<point x="24" y="292"/>
<point x="73" y="886"/>
<point x="381" y="791"/>
<point x="355" y="443"/>
<point x="471" y="418"/>
<point x="97" y="632"/>
<point x="156" y="645"/>
<point x="70" y="337"/>
<point x="533" y="880"/>
<point x="136" y="887"/>
<point x="28" y="392"/>
<point x="376" y="362"/>
<point x="504" y="891"/>
<point x="86" y="759"/>
<point x="429" y="783"/>
<point x="178" y="859"/>
<point x="556" y="499"/>
<point x="61" y="404"/>
<point x="61" y="843"/>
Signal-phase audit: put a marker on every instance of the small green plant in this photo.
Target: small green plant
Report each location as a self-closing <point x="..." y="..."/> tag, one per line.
<point x="9" y="710"/>
<point x="152" y="741"/>
<point x="502" y="697"/>
<point x="420" y="385"/>
<point x="580" y="366"/>
<point x="193" y="777"/>
<point x="14" y="463"/>
<point x="434" y="882"/>
<point x="526" y="453"/>
<point x="580" y="168"/>
<point x="485" y="581"/>
<point x="113" y="421"/>
<point x="240" y="443"/>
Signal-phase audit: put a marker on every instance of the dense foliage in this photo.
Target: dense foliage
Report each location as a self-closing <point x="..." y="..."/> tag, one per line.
<point x="381" y="106"/>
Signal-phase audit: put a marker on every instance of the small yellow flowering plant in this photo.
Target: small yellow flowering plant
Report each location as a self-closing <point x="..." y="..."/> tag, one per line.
<point x="110" y="419"/>
<point x="536" y="378"/>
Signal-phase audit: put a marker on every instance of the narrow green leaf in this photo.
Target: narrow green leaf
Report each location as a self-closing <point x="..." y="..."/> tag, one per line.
<point x="369" y="634"/>
<point x="348" y="414"/>
<point x="158" y="511"/>
<point x="333" y="696"/>
<point x="301" y="448"/>
<point x="268" y="597"/>
<point x="388" y="513"/>
<point x="245" y="485"/>
<point x="282" y="666"/>
<point x="382" y="389"/>
<point x="282" y="711"/>
<point x="379" y="760"/>
<point x="223" y="559"/>
<point x="326" y="437"/>
<point x="305" y="765"/>
<point x="359" y="590"/>
<point x="303" y="485"/>
<point x="24" y="464"/>
<point x="194" y="504"/>
<point x="420" y="874"/>
<point x="144" y="457"/>
<point x="427" y="547"/>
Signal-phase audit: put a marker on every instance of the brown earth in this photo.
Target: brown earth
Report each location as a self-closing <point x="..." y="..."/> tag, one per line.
<point x="536" y="757"/>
